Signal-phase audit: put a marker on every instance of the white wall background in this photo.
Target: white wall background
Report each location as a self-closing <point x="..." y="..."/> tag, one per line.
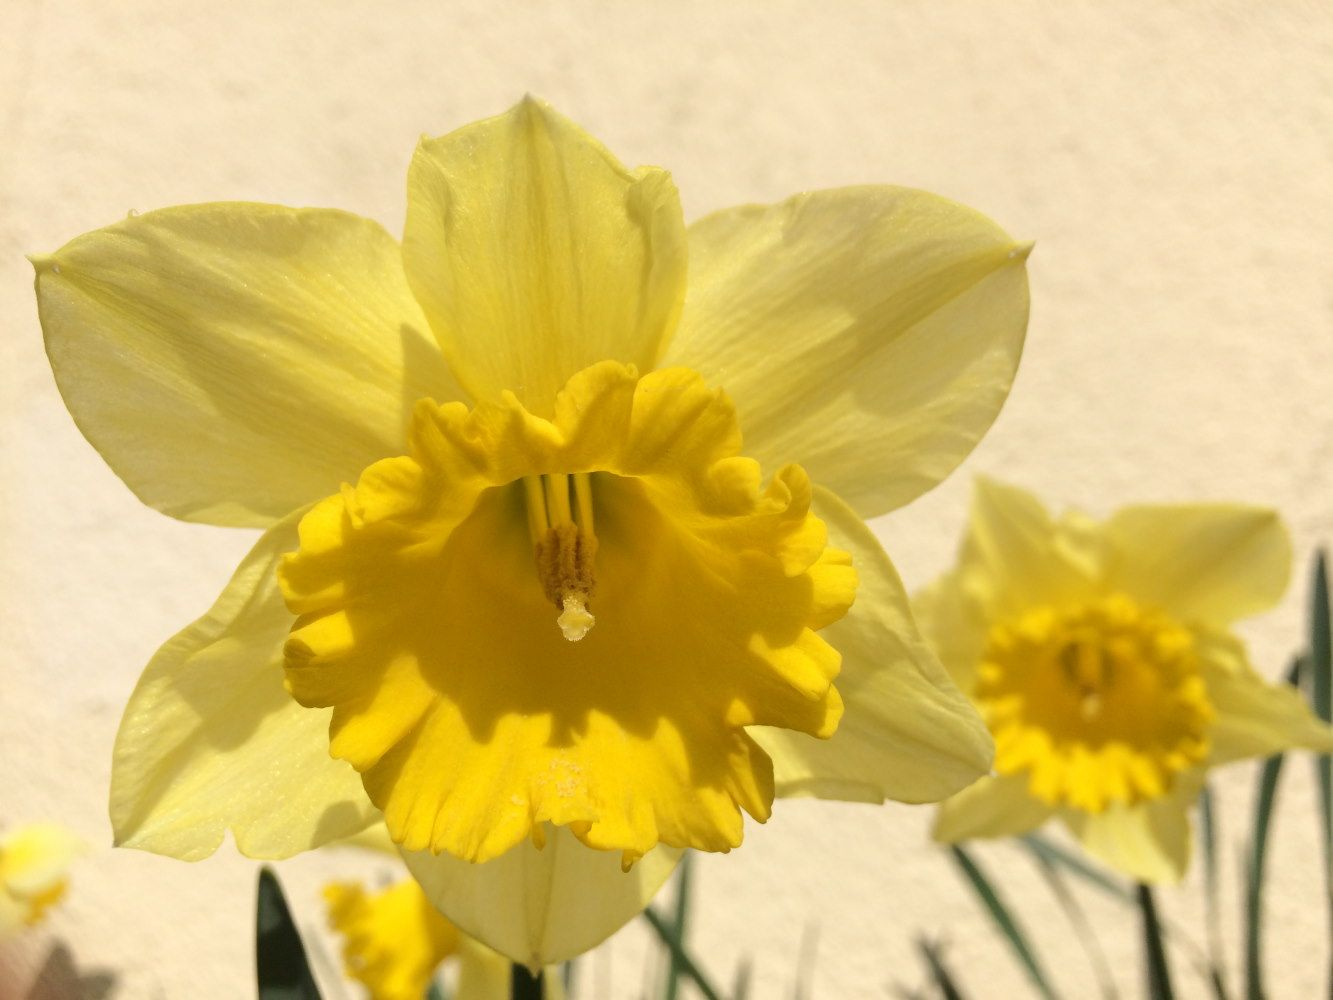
<point x="1171" y="160"/>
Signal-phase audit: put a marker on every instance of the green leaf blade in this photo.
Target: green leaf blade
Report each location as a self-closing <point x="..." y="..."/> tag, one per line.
<point x="1154" y="948"/>
<point x="281" y="967"/>
<point x="1003" y="919"/>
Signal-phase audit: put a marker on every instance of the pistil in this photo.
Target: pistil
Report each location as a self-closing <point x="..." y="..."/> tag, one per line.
<point x="565" y="545"/>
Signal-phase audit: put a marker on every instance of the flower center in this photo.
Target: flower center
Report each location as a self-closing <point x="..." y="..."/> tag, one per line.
<point x="473" y="722"/>
<point x="1097" y="703"/>
<point x="560" y="523"/>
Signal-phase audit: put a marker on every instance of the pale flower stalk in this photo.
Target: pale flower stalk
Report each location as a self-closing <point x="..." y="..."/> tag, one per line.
<point x="560" y="548"/>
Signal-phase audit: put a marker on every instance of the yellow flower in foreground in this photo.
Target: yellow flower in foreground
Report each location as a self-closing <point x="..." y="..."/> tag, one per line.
<point x="34" y="867"/>
<point x="395" y="941"/>
<point x="524" y="576"/>
<point x="1102" y="659"/>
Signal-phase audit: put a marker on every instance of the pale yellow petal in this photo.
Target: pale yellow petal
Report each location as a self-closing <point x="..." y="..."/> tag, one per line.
<point x="869" y="333"/>
<point x="542" y="906"/>
<point x="954" y="626"/>
<point x="1016" y="556"/>
<point x="234" y="361"/>
<point x="1210" y="563"/>
<point x="1149" y="842"/>
<point x="211" y="740"/>
<point x="536" y="253"/>
<point x="1254" y="717"/>
<point x="996" y="806"/>
<point x="483" y="974"/>
<point x="907" y="733"/>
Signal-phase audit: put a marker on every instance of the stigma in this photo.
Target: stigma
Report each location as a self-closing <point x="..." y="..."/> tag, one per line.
<point x="560" y="523"/>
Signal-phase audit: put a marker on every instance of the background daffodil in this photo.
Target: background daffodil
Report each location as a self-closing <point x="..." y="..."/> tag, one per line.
<point x="34" y="872"/>
<point x="1102" y="658"/>
<point x="395" y="940"/>
<point x="558" y="603"/>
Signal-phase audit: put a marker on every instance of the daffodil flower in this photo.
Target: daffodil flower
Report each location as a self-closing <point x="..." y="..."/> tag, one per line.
<point x="34" y="872"/>
<point x="521" y="578"/>
<point x="395" y="942"/>
<point x="1102" y="658"/>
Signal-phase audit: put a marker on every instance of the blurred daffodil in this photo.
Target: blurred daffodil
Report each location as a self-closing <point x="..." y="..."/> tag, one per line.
<point x="1101" y="656"/>
<point x="395" y="942"/>
<point x="559" y="600"/>
<point x="34" y="872"/>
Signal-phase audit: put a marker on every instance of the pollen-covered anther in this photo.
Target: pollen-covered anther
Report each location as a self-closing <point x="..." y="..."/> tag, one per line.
<point x="561" y="527"/>
<point x="565" y="568"/>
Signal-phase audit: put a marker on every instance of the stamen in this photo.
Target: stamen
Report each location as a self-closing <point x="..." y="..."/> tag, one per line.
<point x="564" y="546"/>
<point x="583" y="495"/>
<point x="536" y="497"/>
<point x="557" y="499"/>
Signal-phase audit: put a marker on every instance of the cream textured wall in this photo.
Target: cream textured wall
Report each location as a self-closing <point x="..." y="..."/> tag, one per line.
<point x="1172" y="161"/>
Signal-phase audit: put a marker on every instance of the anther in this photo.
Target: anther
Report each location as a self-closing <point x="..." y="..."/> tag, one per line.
<point x="565" y="546"/>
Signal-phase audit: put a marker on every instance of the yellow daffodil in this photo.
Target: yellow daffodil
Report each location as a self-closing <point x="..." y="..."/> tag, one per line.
<point x="34" y="872"/>
<point x="395" y="940"/>
<point x="521" y="578"/>
<point x="1101" y="657"/>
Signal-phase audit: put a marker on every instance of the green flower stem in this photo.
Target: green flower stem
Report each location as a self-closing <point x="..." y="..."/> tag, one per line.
<point x="524" y="985"/>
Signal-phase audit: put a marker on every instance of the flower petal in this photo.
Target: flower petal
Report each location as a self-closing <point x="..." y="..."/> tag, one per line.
<point x="1016" y="556"/>
<point x="540" y="906"/>
<point x="907" y="733"/>
<point x="869" y="333"/>
<point x="1253" y="717"/>
<point x="1209" y="563"/>
<point x="953" y="625"/>
<point x="535" y="253"/>
<point x="234" y="361"/>
<point x="210" y="739"/>
<point x="1149" y="842"/>
<point x="996" y="806"/>
<point x="484" y="974"/>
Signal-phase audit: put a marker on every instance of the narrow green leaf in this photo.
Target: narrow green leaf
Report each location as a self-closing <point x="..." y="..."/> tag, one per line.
<point x="1198" y="958"/>
<point x="740" y="986"/>
<point x="1045" y="850"/>
<point x="687" y="965"/>
<point x="1079" y="921"/>
<point x="1255" y="866"/>
<point x="281" y="968"/>
<point x="679" y="925"/>
<point x="1154" y="950"/>
<point x="935" y="962"/>
<point x="1321" y="695"/>
<point x="523" y="985"/>
<point x="1212" y="911"/>
<point x="999" y="913"/>
<point x="434" y="991"/>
